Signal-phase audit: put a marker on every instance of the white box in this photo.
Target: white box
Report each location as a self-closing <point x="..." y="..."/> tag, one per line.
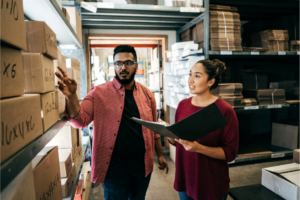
<point x="283" y="180"/>
<point x="180" y="45"/>
<point x="284" y="135"/>
<point x="177" y="52"/>
<point x="191" y="46"/>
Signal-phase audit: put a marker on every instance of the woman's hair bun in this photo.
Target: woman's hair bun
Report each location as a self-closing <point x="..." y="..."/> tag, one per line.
<point x="220" y="65"/>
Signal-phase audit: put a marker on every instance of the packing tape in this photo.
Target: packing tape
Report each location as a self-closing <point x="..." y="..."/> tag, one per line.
<point x="225" y="25"/>
<point x="273" y="96"/>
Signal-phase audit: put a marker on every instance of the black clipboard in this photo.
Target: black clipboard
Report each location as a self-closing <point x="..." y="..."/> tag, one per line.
<point x="193" y="127"/>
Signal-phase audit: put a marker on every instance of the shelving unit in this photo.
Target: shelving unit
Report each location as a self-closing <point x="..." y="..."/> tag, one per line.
<point x="14" y="165"/>
<point x="50" y="12"/>
<point x="249" y="10"/>
<point x="135" y="16"/>
<point x="78" y="169"/>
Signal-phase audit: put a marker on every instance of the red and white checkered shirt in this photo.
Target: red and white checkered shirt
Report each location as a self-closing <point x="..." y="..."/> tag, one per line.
<point x="104" y="105"/>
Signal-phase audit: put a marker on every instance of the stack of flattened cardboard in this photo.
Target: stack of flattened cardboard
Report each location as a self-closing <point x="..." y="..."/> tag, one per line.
<point x="266" y="96"/>
<point x="288" y="86"/>
<point x="225" y="31"/>
<point x="186" y="35"/>
<point x="274" y="40"/>
<point x="230" y="92"/>
<point x="223" y="8"/>
<point x="290" y="23"/>
<point x="295" y="45"/>
<point x="249" y="102"/>
<point x="253" y="79"/>
<point x="178" y="3"/>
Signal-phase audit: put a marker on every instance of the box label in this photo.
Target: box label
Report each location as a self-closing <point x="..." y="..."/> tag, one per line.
<point x="281" y="53"/>
<point x="9" y="70"/>
<point x="49" y="75"/>
<point x="189" y="9"/>
<point x="277" y="155"/>
<point x="298" y="53"/>
<point x="275" y="106"/>
<point x="254" y="52"/>
<point x="226" y="52"/>
<point x="251" y="107"/>
<point x="9" y="134"/>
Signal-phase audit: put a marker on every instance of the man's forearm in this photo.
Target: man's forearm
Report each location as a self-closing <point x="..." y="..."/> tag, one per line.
<point x="72" y="105"/>
<point x="213" y="152"/>
<point x="158" y="147"/>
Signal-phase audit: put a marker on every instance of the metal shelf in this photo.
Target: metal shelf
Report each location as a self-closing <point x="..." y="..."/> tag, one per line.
<point x="259" y="107"/>
<point x="71" y="3"/>
<point x="136" y="16"/>
<point x="253" y="53"/>
<point x="14" y="165"/>
<point x="78" y="169"/>
<point x="50" y="12"/>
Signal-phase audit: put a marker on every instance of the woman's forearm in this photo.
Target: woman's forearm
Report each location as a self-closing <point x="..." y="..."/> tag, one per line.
<point x="171" y="140"/>
<point x="213" y="152"/>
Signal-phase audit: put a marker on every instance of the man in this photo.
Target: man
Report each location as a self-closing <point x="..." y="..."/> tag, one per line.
<point x="123" y="150"/>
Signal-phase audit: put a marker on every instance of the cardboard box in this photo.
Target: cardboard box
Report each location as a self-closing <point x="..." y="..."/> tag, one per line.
<point x="46" y="174"/>
<point x="40" y="39"/>
<point x="49" y="109"/>
<point x="285" y="135"/>
<point x="61" y="62"/>
<point x="12" y="24"/>
<point x="296" y="156"/>
<point x="65" y="162"/>
<point x="74" y="74"/>
<point x="38" y="73"/>
<point x="283" y="180"/>
<point x="87" y="186"/>
<point x="61" y="99"/>
<point x="66" y="14"/>
<point x="22" y="187"/>
<point x="12" y="80"/>
<point x="66" y="138"/>
<point x="73" y="64"/>
<point x="21" y="123"/>
<point x="66" y="183"/>
<point x="75" y="21"/>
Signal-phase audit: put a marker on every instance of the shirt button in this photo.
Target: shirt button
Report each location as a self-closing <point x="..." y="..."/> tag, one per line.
<point x="111" y="148"/>
<point x="121" y="107"/>
<point x="118" y="120"/>
<point x="106" y="162"/>
<point x="122" y="94"/>
<point x="115" y="134"/>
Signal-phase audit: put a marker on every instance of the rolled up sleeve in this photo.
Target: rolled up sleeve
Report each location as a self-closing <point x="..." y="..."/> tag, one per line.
<point x="86" y="113"/>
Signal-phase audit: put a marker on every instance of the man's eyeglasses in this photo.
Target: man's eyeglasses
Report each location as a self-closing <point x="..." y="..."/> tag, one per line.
<point x="127" y="63"/>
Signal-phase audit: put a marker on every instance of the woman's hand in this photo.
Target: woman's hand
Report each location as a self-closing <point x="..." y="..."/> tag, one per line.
<point x="189" y="146"/>
<point x="171" y="140"/>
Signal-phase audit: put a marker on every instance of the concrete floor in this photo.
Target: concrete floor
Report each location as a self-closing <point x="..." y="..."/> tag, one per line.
<point x="161" y="185"/>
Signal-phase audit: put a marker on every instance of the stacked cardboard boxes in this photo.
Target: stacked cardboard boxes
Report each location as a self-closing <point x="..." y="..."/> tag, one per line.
<point x="295" y="45"/>
<point x="18" y="128"/>
<point x="273" y="40"/>
<point x="230" y="92"/>
<point x="266" y="96"/>
<point x="67" y="170"/>
<point x="225" y="31"/>
<point x="73" y="70"/>
<point x="187" y="35"/>
<point x="39" y="68"/>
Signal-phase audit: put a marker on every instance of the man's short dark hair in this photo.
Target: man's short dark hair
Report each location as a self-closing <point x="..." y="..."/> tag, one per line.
<point x="125" y="49"/>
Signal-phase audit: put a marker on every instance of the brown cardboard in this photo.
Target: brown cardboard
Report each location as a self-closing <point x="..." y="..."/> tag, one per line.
<point x="296" y="156"/>
<point x="65" y="162"/>
<point x="87" y="186"/>
<point x="60" y="98"/>
<point x="73" y="64"/>
<point x="66" y="138"/>
<point x="74" y="74"/>
<point x="38" y="73"/>
<point x="12" y="80"/>
<point x="61" y="62"/>
<point x="40" y="39"/>
<point x="75" y="21"/>
<point x="49" y="109"/>
<point x="64" y="10"/>
<point x="285" y="135"/>
<point x="12" y="24"/>
<point x="22" y="187"/>
<point x="21" y="123"/>
<point x="46" y="174"/>
<point x="66" y="183"/>
<point x="223" y="35"/>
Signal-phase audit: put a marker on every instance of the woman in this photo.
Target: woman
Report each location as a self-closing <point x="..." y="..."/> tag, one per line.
<point x="202" y="170"/>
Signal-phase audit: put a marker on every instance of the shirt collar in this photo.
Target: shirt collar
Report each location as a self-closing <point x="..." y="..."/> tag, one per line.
<point x="118" y="85"/>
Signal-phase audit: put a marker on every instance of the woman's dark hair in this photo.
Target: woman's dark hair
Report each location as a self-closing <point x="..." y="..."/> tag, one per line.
<point x="125" y="49"/>
<point x="214" y="69"/>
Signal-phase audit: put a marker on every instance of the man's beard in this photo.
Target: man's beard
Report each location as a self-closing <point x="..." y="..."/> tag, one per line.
<point x="125" y="81"/>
